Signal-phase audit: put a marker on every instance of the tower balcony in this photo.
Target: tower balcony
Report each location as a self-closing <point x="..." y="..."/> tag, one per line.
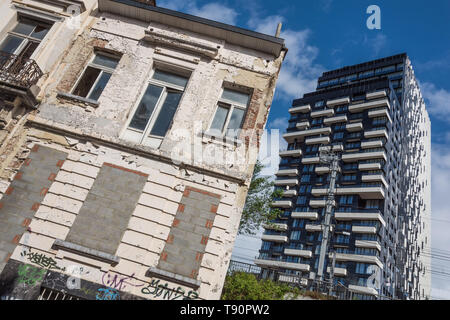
<point x="313" y="227"/>
<point x="369" y="105"/>
<point x="311" y="215"/>
<point x="369" y="166"/>
<point x="320" y="203"/>
<point x="276" y="226"/>
<point x="375" y="191"/>
<point x="298" y="253"/>
<point x="371" y="144"/>
<point x="366" y="215"/>
<point x="376" y="133"/>
<point x="282" y="204"/>
<point x="310" y="160"/>
<point x="364" y="229"/>
<point x="287" y="172"/>
<point x="340" y="272"/>
<point x="336" y="102"/>
<point x="290" y="193"/>
<point x="383" y="112"/>
<point x="335" y="119"/>
<point x="358" y="258"/>
<point x="278" y="263"/>
<point x="318" y="140"/>
<point x="300" y="135"/>
<point x="18" y="78"/>
<point x="364" y="290"/>
<point x="353" y="127"/>
<point x="302" y="125"/>
<point x="322" y="113"/>
<point x="274" y="238"/>
<point x="350" y="157"/>
<point x="374" y="178"/>
<point x="368" y="244"/>
<point x="291" y="153"/>
<point x="286" y="182"/>
<point x="300" y="109"/>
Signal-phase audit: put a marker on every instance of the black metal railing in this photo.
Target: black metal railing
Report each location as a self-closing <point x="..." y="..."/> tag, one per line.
<point x="19" y="71"/>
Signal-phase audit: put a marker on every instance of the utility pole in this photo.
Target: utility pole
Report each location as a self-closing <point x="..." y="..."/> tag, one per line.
<point x="331" y="158"/>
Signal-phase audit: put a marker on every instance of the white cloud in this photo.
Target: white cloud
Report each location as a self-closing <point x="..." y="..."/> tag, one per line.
<point x="214" y="11"/>
<point x="376" y="43"/>
<point x="438" y="101"/>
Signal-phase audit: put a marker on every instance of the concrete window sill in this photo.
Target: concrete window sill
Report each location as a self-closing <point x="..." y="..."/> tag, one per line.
<point x="68" y="96"/>
<point x="221" y="138"/>
<point x="169" y="276"/>
<point x="87" y="252"/>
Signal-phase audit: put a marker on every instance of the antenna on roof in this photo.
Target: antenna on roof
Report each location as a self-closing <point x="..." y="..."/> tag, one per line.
<point x="277" y="34"/>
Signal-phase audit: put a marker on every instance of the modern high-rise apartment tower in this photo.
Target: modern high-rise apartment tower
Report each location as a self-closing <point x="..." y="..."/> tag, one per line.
<point x="374" y="118"/>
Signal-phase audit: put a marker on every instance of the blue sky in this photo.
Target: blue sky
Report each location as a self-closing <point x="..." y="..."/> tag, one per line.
<point x="328" y="34"/>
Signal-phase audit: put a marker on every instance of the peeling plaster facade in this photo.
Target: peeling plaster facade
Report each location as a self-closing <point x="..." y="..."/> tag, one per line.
<point x="81" y="141"/>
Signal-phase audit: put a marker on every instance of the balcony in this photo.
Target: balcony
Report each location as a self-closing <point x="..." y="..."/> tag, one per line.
<point x="369" y="166"/>
<point x="286" y="182"/>
<point x="290" y="193"/>
<point x="371" y="144"/>
<point x="300" y="135"/>
<point x="369" y="215"/>
<point x="287" y="172"/>
<point x="320" y="203"/>
<point x="376" y="95"/>
<point x="18" y="77"/>
<point x="319" y="191"/>
<point x="376" y="133"/>
<point x="363" y="290"/>
<point x="335" y="119"/>
<point x="340" y="272"/>
<point x="350" y="157"/>
<point x="353" y="127"/>
<point x="369" y="105"/>
<point x="322" y="170"/>
<point x="305" y="215"/>
<point x="319" y="140"/>
<point x="322" y="113"/>
<point x="303" y="125"/>
<point x="336" y="102"/>
<point x="282" y="204"/>
<point x="383" y="112"/>
<point x="374" y="178"/>
<point x="368" y="244"/>
<point x="364" y="229"/>
<point x="291" y="153"/>
<point x="365" y="192"/>
<point x="276" y="226"/>
<point x="266" y="262"/>
<point x="358" y="258"/>
<point x="310" y="160"/>
<point x="300" y="109"/>
<point x="298" y="253"/>
<point x="274" y="238"/>
<point x="313" y="227"/>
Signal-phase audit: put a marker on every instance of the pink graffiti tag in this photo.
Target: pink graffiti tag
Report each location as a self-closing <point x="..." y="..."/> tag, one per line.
<point x="118" y="282"/>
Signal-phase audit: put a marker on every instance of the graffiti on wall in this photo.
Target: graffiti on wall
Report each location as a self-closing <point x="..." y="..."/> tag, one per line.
<point x="107" y="294"/>
<point x="162" y="290"/>
<point x="30" y="275"/>
<point x="41" y="260"/>
<point x="118" y="282"/>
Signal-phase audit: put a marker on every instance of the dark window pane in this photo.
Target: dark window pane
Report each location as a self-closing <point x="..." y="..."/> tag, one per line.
<point x="146" y="107"/>
<point x="106" y="61"/>
<point x="170" y="78"/>
<point x="24" y="28"/>
<point x="10" y="44"/>
<point x="219" y="119"/>
<point x="100" y="85"/>
<point x="236" y="119"/>
<point x="40" y="32"/>
<point x="235" y="96"/>
<point x="87" y="81"/>
<point x="28" y="50"/>
<point x="166" y="114"/>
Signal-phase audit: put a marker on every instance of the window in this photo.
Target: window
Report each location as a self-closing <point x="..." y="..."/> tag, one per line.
<point x="320" y="103"/>
<point x="157" y="107"/>
<point x="96" y="76"/>
<point x="230" y="113"/>
<point x="305" y="178"/>
<point x="301" y="200"/>
<point x="346" y="200"/>
<point x="25" y="37"/>
<point x="295" y="235"/>
<point x="372" y="204"/>
<point x="342" y="108"/>
<point x="349" y="177"/>
<point x="338" y="135"/>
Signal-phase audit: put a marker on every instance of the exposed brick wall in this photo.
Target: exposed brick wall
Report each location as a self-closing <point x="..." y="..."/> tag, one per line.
<point x="24" y="195"/>
<point x="189" y="235"/>
<point x="106" y="212"/>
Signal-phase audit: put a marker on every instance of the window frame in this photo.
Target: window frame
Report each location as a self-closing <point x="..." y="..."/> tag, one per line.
<point x="145" y="134"/>
<point x="230" y="105"/>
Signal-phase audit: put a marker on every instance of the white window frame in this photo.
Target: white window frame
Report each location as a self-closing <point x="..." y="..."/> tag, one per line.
<point x="151" y="121"/>
<point x="92" y="64"/>
<point x="231" y="105"/>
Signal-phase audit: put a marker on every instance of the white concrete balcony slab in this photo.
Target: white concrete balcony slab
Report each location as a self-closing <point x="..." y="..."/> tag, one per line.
<point x="323" y="140"/>
<point x="274" y="238"/>
<point x="369" y="216"/>
<point x="311" y="160"/>
<point x="282" y="264"/>
<point x="371" y="144"/>
<point x="351" y="157"/>
<point x="368" y="192"/>
<point x="369" y="166"/>
<point x="358" y="258"/>
<point x="376" y="133"/>
<point x="374" y="178"/>
<point x="363" y="290"/>
<point x="286" y="182"/>
<point x="340" y="272"/>
<point x="368" y="244"/>
<point x="353" y="127"/>
<point x="320" y="203"/>
<point x="364" y="229"/>
<point x="305" y="215"/>
<point x="290" y="193"/>
<point x="380" y="113"/>
<point x="335" y="119"/>
<point x="336" y="102"/>
<point x="282" y="204"/>
<point x="287" y="172"/>
<point x="335" y="147"/>
<point x="319" y="191"/>
<point x="376" y="94"/>
<point x="298" y="253"/>
<point x="291" y="153"/>
<point x="369" y="105"/>
<point x="313" y="227"/>
<point x="322" y="170"/>
<point x="276" y="226"/>
<point x="303" y="125"/>
<point x="300" y="135"/>
<point x="300" y="109"/>
<point x="322" y="113"/>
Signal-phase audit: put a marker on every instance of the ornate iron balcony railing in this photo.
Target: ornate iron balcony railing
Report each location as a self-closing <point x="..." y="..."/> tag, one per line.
<point x="18" y="71"/>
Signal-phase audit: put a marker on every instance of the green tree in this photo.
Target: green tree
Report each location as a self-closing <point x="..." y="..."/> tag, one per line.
<point x="245" y="286"/>
<point x="258" y="205"/>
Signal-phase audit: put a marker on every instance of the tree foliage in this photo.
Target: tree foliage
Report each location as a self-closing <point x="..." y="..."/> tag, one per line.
<point x="257" y="210"/>
<point x="245" y="286"/>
